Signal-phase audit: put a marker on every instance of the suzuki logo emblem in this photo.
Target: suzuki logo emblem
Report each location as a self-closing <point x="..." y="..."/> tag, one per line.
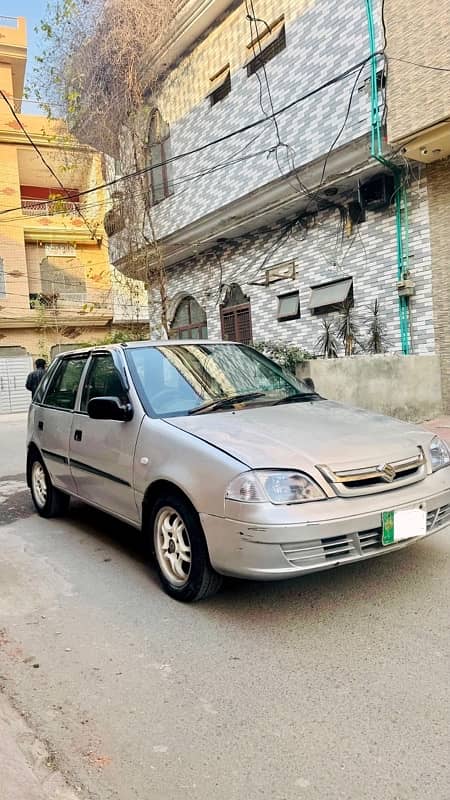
<point x="387" y="472"/>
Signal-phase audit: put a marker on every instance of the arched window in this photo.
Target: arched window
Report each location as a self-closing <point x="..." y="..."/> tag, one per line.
<point x="189" y="321"/>
<point x="159" y="152"/>
<point x="235" y="316"/>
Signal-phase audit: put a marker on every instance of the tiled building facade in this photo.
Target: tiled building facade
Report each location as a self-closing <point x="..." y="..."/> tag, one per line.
<point x="282" y="191"/>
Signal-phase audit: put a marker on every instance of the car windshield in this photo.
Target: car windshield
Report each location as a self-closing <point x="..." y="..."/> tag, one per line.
<point x="179" y="379"/>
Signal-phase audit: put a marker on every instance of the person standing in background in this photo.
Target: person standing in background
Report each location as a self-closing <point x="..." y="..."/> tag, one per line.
<point x="34" y="378"/>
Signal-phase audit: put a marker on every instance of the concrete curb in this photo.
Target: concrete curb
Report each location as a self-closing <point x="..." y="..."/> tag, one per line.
<point x="28" y="771"/>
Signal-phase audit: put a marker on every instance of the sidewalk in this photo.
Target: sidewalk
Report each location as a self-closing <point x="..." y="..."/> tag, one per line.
<point x="440" y="426"/>
<point x="28" y="771"/>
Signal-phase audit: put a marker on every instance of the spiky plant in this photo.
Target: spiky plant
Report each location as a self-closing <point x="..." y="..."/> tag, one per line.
<point x="377" y="341"/>
<point x="327" y="344"/>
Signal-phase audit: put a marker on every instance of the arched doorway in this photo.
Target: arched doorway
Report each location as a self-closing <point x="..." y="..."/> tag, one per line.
<point x="235" y="316"/>
<point x="189" y="320"/>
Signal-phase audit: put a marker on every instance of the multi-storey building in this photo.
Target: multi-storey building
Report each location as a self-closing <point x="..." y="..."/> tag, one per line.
<point x="274" y="195"/>
<point x="57" y="288"/>
<point x="418" y="125"/>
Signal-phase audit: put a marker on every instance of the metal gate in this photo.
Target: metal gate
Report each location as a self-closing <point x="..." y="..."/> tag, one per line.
<point x="13" y="374"/>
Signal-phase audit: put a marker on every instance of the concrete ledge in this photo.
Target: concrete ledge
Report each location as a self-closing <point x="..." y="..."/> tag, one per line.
<point x="407" y="387"/>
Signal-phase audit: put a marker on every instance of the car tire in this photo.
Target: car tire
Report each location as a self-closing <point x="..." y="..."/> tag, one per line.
<point x="48" y="501"/>
<point x="180" y="551"/>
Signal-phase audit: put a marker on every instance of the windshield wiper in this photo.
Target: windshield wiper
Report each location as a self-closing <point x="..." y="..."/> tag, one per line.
<point x="225" y="402"/>
<point x="300" y="397"/>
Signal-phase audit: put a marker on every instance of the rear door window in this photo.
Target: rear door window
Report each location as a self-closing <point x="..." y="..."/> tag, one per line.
<point x="63" y="387"/>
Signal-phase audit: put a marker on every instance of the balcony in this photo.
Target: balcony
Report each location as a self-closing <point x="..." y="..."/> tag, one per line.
<point x="72" y="302"/>
<point x="38" y="208"/>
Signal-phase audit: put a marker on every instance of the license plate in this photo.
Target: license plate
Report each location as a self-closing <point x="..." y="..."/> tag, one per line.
<point x="404" y="524"/>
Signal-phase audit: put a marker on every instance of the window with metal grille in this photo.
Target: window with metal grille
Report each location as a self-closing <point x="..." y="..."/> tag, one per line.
<point x="266" y="46"/>
<point x="189" y="321"/>
<point x="288" y="306"/>
<point x="220" y="85"/>
<point x="235" y="316"/>
<point x="2" y="279"/>
<point x="159" y="154"/>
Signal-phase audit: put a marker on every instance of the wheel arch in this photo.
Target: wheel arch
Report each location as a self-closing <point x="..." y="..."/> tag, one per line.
<point x="33" y="449"/>
<point x="157" y="489"/>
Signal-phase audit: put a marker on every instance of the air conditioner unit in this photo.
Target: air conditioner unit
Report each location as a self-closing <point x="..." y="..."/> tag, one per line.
<point x="378" y="192"/>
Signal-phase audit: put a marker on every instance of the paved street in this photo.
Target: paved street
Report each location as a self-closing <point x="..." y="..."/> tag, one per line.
<point x="333" y="686"/>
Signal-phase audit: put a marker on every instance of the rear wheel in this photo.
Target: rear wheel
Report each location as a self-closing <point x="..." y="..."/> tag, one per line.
<point x="180" y="550"/>
<point x="48" y="501"/>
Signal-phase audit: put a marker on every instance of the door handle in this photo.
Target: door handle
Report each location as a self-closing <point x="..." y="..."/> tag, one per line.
<point x="78" y="436"/>
<point x="41" y="425"/>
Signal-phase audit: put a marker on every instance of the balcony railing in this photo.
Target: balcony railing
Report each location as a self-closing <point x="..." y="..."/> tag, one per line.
<point x="72" y="301"/>
<point x="37" y="208"/>
<point x="9" y="22"/>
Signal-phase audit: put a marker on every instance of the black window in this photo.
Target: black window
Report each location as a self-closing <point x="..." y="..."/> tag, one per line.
<point x="2" y="279"/>
<point x="42" y="388"/>
<point x="159" y="155"/>
<point x="220" y="85"/>
<point x="265" y="46"/>
<point x="331" y="296"/>
<point x="63" y="387"/>
<point x="288" y="306"/>
<point x="102" y="380"/>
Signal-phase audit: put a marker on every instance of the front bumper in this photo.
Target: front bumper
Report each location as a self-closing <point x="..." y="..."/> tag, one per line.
<point x="274" y="552"/>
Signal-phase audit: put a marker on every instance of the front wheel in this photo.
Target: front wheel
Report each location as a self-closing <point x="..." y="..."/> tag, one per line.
<point x="181" y="553"/>
<point x="48" y="501"/>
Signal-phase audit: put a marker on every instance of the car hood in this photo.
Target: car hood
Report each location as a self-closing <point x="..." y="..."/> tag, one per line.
<point x="301" y="435"/>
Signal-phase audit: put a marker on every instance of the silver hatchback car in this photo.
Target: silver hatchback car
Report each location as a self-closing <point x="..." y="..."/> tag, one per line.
<point x="229" y="465"/>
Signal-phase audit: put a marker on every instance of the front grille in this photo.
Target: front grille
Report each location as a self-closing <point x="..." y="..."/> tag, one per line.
<point x="375" y="478"/>
<point x="336" y="549"/>
<point x="438" y="518"/>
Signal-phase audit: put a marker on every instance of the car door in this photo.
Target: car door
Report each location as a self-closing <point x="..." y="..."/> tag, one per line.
<point x="102" y="451"/>
<point x="53" y="418"/>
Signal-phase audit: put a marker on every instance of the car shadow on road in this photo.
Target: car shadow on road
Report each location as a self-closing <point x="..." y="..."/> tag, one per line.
<point x="391" y="578"/>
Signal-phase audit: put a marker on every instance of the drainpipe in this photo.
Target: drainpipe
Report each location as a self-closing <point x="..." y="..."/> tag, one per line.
<point x="401" y="200"/>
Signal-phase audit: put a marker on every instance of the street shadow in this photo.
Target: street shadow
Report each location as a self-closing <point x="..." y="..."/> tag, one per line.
<point x="388" y="580"/>
<point x="109" y="530"/>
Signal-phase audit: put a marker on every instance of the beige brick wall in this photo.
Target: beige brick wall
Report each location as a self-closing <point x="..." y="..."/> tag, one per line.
<point x="39" y="342"/>
<point x="438" y="181"/>
<point x="417" y="98"/>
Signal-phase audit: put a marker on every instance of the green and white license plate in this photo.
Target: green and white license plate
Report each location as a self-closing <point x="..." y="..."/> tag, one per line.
<point x="404" y="524"/>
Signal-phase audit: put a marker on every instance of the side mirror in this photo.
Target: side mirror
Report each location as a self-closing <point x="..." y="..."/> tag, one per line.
<point x="110" y="408"/>
<point x="309" y="383"/>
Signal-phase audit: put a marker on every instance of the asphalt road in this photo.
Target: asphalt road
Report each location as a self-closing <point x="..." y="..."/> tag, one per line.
<point x="333" y="686"/>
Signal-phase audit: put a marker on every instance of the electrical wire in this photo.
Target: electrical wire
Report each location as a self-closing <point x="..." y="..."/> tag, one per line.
<point x="42" y="158"/>
<point x="219" y="140"/>
<point x="417" y="64"/>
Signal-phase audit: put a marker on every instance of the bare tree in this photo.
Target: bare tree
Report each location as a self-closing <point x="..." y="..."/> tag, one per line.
<point x="100" y="69"/>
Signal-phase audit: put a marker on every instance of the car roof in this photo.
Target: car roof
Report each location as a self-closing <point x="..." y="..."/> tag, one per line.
<point x="102" y="348"/>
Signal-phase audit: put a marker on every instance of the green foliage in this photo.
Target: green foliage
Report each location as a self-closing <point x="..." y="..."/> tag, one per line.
<point x="377" y="341"/>
<point x="347" y="330"/>
<point x="287" y="356"/>
<point x="139" y="333"/>
<point x="327" y="343"/>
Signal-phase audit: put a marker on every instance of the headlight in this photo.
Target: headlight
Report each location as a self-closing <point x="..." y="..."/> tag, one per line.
<point x="440" y="454"/>
<point x="278" y="486"/>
